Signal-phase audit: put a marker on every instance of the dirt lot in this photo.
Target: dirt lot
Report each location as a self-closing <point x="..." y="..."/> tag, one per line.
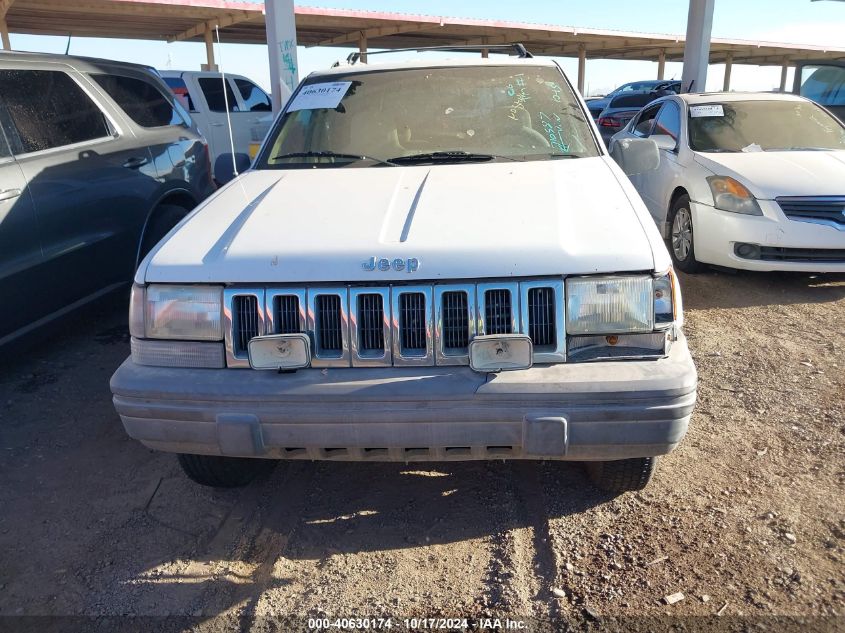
<point x="746" y="518"/>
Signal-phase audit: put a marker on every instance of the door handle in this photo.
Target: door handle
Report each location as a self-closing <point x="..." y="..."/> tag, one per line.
<point x="9" y="194"/>
<point x="135" y="162"/>
<point x="216" y="125"/>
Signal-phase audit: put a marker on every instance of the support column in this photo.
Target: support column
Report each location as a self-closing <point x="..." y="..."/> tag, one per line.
<point x="485" y="53"/>
<point x="210" y="63"/>
<point x="729" y="62"/>
<point x="582" y="66"/>
<point x="281" y="41"/>
<point x="4" y="28"/>
<point x="661" y="63"/>
<point x="783" y="71"/>
<point x="362" y="47"/>
<point x="697" y="46"/>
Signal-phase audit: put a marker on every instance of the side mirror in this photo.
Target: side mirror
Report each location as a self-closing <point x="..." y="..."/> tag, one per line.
<point x="664" y="141"/>
<point x="636" y="155"/>
<point x="227" y="163"/>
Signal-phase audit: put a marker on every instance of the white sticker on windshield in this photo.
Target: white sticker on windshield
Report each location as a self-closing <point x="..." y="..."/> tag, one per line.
<point x="698" y="111"/>
<point x="324" y="95"/>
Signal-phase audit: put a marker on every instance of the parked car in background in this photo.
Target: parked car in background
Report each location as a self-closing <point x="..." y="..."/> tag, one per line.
<point x="621" y="109"/>
<point x="822" y="82"/>
<point x="97" y="163"/>
<point x="752" y="181"/>
<point x="433" y="261"/>
<point x="596" y="106"/>
<point x="206" y="96"/>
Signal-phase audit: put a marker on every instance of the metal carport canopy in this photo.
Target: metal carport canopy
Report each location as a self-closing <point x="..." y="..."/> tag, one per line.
<point x="243" y="22"/>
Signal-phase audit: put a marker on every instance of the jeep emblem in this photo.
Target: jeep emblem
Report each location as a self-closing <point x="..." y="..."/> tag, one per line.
<point x="412" y="264"/>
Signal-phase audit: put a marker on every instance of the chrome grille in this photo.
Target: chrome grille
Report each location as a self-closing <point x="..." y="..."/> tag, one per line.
<point x="286" y="314"/>
<point x="828" y="210"/>
<point x="370" y="323"/>
<point x="246" y="321"/>
<point x="328" y="319"/>
<point x="412" y="323"/>
<point x="455" y="326"/>
<point x="498" y="314"/>
<point x="421" y="325"/>
<point x="541" y="317"/>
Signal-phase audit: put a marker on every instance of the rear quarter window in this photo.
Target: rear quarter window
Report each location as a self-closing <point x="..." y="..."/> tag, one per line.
<point x="142" y="101"/>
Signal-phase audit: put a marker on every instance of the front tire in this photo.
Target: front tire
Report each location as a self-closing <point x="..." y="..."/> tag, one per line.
<point x="682" y="237"/>
<point x="622" y="475"/>
<point x="164" y="218"/>
<point x="223" y="472"/>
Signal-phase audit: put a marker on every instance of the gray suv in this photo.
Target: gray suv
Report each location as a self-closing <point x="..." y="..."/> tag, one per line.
<point x="98" y="161"/>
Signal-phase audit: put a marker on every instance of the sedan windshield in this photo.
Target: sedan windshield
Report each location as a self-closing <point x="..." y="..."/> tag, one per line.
<point x="430" y="116"/>
<point x="738" y="126"/>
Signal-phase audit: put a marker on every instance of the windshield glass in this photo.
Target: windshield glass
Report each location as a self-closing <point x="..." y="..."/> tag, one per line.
<point x="763" y="126"/>
<point x="470" y="113"/>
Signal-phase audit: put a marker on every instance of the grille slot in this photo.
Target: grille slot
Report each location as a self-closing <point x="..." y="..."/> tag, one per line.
<point x="412" y="324"/>
<point x="541" y="317"/>
<point x="246" y="322"/>
<point x="370" y="324"/>
<point x="329" y="324"/>
<point x="455" y="321"/>
<point x="498" y="315"/>
<point x="286" y="312"/>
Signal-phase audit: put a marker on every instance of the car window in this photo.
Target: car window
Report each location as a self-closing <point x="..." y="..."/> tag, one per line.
<point x="49" y="109"/>
<point x="180" y="90"/>
<point x="643" y="125"/>
<point x="212" y="88"/>
<point x="503" y="112"/>
<point x="143" y="102"/>
<point x="824" y="84"/>
<point x="254" y="98"/>
<point x="668" y="121"/>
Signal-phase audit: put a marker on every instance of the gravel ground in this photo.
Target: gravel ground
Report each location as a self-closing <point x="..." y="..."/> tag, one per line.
<point x="745" y="519"/>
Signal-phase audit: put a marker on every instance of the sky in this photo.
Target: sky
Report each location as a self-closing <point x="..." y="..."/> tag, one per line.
<point x="791" y="21"/>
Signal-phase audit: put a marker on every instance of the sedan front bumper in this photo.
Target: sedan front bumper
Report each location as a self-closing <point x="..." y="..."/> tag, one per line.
<point x="578" y="411"/>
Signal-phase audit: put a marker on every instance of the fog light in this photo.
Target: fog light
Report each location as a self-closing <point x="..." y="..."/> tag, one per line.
<point x="280" y="351"/>
<point x="500" y="352"/>
<point x="747" y="251"/>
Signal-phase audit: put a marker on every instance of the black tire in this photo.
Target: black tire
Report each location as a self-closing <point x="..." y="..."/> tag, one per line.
<point x="622" y="475"/>
<point x="223" y="472"/>
<point x="164" y="218"/>
<point x="683" y="258"/>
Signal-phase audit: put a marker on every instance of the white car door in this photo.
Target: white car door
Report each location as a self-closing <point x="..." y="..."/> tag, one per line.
<point x="656" y="186"/>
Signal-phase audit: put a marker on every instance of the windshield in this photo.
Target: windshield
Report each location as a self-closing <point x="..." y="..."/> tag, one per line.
<point x="763" y="126"/>
<point x="461" y="114"/>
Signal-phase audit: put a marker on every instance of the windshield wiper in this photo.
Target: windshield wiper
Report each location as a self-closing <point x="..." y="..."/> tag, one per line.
<point x="330" y="154"/>
<point x="563" y="155"/>
<point x="447" y="157"/>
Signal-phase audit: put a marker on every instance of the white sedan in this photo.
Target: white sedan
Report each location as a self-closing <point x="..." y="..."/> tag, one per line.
<point x="753" y="181"/>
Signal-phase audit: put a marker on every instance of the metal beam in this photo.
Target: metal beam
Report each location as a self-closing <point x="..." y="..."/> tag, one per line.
<point x="208" y="26"/>
<point x="661" y="63"/>
<point x="362" y="48"/>
<point x="783" y="70"/>
<point x="729" y="60"/>
<point x="380" y="31"/>
<point x="4" y="35"/>
<point x="281" y="46"/>
<point x="211" y="64"/>
<point x="582" y="66"/>
<point x="4" y="7"/>
<point x="697" y="45"/>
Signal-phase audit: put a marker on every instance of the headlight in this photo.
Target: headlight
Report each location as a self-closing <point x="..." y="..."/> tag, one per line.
<point x="623" y="304"/>
<point x="731" y="195"/>
<point x="191" y="313"/>
<point x="609" y="305"/>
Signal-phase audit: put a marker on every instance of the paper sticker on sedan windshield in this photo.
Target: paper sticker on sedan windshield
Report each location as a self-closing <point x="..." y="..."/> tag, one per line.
<point x="323" y="95"/>
<point x="698" y="111"/>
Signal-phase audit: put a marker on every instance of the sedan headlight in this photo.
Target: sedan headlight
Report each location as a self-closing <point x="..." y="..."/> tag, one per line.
<point x="192" y="313"/>
<point x="731" y="195"/>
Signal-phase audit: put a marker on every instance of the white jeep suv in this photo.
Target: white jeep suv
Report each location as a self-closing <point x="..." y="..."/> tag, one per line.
<point x="427" y="261"/>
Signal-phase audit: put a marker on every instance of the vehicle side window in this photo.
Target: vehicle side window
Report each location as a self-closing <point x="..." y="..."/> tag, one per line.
<point x="643" y="125"/>
<point x="49" y="109"/>
<point x="254" y="98"/>
<point x="212" y="88"/>
<point x="180" y="90"/>
<point x="824" y="84"/>
<point x="668" y="121"/>
<point x="141" y="100"/>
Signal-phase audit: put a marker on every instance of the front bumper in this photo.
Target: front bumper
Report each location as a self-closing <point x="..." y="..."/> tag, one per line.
<point x="586" y="411"/>
<point x="716" y="232"/>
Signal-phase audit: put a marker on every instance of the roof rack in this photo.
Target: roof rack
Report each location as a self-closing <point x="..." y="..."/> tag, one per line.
<point x="513" y="49"/>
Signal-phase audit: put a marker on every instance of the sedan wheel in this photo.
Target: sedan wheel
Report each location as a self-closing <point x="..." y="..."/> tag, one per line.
<point x="682" y="233"/>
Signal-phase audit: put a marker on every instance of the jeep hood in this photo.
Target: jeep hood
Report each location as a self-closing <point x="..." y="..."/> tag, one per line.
<point x="568" y="216"/>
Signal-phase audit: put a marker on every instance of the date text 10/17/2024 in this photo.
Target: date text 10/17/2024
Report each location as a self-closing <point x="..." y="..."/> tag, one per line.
<point x="417" y="624"/>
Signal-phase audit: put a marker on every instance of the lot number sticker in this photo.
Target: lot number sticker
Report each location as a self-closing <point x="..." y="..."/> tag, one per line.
<point x="324" y="95"/>
<point x="698" y="111"/>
